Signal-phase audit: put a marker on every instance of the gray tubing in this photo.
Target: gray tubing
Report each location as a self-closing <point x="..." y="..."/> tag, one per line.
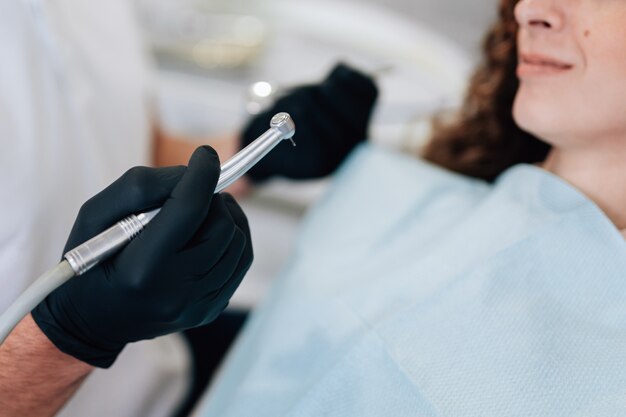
<point x="35" y="294"/>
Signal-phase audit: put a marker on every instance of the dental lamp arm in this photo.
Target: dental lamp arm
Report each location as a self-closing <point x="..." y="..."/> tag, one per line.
<point x="36" y="379"/>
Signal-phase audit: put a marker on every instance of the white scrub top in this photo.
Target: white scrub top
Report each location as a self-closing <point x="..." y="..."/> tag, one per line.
<point x="74" y="86"/>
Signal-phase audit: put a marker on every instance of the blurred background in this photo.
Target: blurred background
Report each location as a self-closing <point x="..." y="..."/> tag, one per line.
<point x="222" y="61"/>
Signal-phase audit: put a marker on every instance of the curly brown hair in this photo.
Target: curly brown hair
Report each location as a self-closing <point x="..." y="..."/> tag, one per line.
<point x="484" y="140"/>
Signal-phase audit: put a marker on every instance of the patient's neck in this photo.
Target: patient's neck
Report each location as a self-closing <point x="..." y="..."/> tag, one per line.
<point x="598" y="173"/>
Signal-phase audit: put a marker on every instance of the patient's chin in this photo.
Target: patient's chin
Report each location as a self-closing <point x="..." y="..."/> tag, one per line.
<point x="537" y="121"/>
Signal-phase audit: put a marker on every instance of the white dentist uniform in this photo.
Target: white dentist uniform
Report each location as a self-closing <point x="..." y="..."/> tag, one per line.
<point x="74" y="115"/>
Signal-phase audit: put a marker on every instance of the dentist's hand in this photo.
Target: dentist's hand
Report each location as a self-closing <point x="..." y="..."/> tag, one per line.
<point x="179" y="273"/>
<point x="331" y="119"/>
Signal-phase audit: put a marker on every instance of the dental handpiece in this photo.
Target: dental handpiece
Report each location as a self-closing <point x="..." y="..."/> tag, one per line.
<point x="79" y="260"/>
<point x="99" y="248"/>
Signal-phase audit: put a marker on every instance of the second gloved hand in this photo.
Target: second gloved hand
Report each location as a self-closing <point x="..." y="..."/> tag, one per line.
<point x="331" y="119"/>
<point x="179" y="273"/>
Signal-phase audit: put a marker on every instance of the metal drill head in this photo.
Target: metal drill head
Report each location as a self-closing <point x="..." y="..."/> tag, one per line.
<point x="284" y="124"/>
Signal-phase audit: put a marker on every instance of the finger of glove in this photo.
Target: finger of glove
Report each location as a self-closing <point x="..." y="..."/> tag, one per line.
<point x="349" y="82"/>
<point x="238" y="245"/>
<point x="247" y="255"/>
<point x="214" y="302"/>
<point x="238" y="215"/>
<point x="138" y="190"/>
<point x="202" y="313"/>
<point x="185" y="209"/>
<point x="218" y="224"/>
<point x="228" y="290"/>
<point x="207" y="304"/>
<point x="210" y="284"/>
<point x="349" y="97"/>
<point x="211" y="241"/>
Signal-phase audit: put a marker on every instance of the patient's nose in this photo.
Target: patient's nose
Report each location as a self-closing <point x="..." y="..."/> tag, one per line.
<point x="540" y="15"/>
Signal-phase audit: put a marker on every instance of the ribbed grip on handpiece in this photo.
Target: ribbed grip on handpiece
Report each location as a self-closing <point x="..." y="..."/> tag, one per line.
<point x="85" y="256"/>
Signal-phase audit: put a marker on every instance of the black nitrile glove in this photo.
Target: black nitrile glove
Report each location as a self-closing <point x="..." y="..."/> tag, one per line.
<point x="331" y="119"/>
<point x="179" y="273"/>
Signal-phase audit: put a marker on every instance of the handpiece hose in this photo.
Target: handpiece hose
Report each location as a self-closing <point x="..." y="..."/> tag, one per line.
<point x="84" y="257"/>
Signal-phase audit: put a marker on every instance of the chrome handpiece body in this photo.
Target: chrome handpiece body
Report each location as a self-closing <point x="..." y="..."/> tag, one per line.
<point x="95" y="250"/>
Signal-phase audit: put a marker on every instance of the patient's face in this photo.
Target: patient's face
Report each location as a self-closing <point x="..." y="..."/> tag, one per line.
<point x="572" y="71"/>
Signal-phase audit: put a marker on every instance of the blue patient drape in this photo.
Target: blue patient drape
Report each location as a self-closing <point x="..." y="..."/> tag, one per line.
<point x="413" y="291"/>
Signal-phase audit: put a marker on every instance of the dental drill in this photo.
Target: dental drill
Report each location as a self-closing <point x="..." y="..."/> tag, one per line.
<point x="84" y="257"/>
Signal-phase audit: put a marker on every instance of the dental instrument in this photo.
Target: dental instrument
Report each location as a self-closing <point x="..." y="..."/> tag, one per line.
<point x="84" y="257"/>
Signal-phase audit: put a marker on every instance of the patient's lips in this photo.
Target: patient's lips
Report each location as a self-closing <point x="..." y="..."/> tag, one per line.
<point x="534" y="65"/>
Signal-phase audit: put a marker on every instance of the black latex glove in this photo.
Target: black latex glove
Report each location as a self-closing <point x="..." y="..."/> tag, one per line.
<point x="179" y="273"/>
<point x="331" y="119"/>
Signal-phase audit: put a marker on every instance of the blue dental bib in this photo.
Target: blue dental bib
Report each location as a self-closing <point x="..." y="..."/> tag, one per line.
<point x="414" y="291"/>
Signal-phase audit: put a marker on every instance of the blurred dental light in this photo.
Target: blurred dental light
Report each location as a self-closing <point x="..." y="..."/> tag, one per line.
<point x="262" y="89"/>
<point x="259" y="97"/>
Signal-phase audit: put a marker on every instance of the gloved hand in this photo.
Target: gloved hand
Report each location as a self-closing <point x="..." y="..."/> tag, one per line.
<point x="179" y="273"/>
<point x="331" y="119"/>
